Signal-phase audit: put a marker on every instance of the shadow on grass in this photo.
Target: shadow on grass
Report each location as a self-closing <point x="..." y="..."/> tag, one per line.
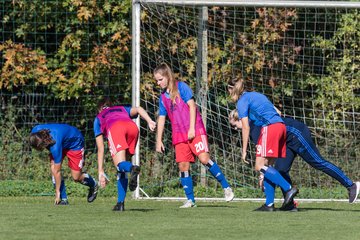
<point x="327" y="209"/>
<point x="139" y="210"/>
<point x="216" y="206"/>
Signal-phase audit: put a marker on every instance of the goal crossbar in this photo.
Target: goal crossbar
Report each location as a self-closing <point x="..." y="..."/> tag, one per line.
<point x="257" y="3"/>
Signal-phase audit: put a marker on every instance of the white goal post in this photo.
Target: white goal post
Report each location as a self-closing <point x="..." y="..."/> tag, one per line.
<point x="348" y="121"/>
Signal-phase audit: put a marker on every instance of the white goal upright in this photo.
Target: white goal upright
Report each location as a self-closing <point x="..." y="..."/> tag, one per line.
<point x="303" y="55"/>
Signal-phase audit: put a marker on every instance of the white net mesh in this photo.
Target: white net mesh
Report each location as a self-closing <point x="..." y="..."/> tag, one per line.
<point x="305" y="60"/>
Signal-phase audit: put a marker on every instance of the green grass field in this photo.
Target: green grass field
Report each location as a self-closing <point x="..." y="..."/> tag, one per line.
<point x="38" y="218"/>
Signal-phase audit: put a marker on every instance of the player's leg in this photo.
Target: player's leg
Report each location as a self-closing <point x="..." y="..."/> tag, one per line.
<point x="283" y="165"/>
<point x="184" y="157"/>
<point x="76" y="164"/>
<point x="310" y="154"/>
<point x="123" y="167"/>
<point x="272" y="144"/>
<point x="122" y="183"/>
<point x="187" y="183"/>
<point x="122" y="139"/>
<point x="269" y="190"/>
<point x="199" y="147"/>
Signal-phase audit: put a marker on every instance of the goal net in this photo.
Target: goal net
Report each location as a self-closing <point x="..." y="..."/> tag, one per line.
<point x="304" y="56"/>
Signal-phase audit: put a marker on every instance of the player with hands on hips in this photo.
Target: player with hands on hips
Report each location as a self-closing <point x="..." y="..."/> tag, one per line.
<point x="189" y="136"/>
<point x="115" y="123"/>
<point x="255" y="107"/>
<point x="63" y="140"/>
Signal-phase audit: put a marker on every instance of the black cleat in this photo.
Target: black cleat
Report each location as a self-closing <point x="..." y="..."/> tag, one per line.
<point x="291" y="207"/>
<point x="354" y="192"/>
<point x="135" y="170"/>
<point x="63" y="202"/>
<point x="265" y="208"/>
<point x="289" y="197"/>
<point x="92" y="193"/>
<point x="119" y="207"/>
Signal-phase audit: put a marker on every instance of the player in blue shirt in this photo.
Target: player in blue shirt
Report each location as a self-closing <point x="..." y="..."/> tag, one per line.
<point x="299" y="142"/>
<point x="63" y="140"/>
<point x="255" y="107"/>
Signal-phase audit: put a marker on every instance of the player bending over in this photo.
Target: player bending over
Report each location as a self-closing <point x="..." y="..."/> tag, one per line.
<point x="63" y="140"/>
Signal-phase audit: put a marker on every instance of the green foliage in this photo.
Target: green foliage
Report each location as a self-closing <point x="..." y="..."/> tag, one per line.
<point x="248" y="55"/>
<point x="336" y="91"/>
<point x="94" y="46"/>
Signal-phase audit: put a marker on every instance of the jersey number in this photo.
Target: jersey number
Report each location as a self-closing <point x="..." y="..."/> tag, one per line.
<point x="199" y="147"/>
<point x="258" y="149"/>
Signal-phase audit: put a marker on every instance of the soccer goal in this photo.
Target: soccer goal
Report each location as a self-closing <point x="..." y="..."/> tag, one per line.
<point x="303" y="55"/>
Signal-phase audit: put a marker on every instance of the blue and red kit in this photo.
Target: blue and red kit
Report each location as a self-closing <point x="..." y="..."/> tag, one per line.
<point x="68" y="142"/>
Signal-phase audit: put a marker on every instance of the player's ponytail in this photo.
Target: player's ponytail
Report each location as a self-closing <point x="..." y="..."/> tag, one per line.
<point x="237" y="87"/>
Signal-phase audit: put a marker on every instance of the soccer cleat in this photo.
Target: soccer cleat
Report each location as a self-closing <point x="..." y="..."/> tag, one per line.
<point x="135" y="170"/>
<point x="92" y="193"/>
<point x="63" y="202"/>
<point x="119" y="207"/>
<point x="265" y="208"/>
<point x="188" y="204"/>
<point x="289" y="197"/>
<point x="229" y="194"/>
<point x="354" y="192"/>
<point x="291" y="207"/>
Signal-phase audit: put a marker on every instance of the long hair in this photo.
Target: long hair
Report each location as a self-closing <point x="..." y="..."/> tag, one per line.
<point x="41" y="139"/>
<point x="238" y="86"/>
<point x="164" y="70"/>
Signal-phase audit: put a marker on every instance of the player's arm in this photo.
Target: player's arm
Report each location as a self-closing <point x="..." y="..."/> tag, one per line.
<point x="192" y="108"/>
<point x="139" y="110"/>
<point x="100" y="157"/>
<point x="99" y="139"/>
<point x="160" y="130"/>
<point x="56" y="172"/>
<point x="245" y="137"/>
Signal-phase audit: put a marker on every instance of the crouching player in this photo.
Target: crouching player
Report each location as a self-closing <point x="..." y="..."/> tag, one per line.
<point x="115" y="124"/>
<point x="299" y="142"/>
<point x="63" y="140"/>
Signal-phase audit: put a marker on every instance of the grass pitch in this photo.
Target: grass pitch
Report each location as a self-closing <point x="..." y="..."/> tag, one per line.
<point x="38" y="218"/>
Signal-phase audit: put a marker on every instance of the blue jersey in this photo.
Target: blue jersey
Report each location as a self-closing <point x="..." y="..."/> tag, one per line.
<point x="185" y="93"/>
<point x="65" y="137"/>
<point x="97" y="125"/>
<point x="258" y="109"/>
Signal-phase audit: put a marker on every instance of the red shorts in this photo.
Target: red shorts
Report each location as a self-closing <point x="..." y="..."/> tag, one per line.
<point x="185" y="151"/>
<point x="75" y="158"/>
<point x="272" y="141"/>
<point x="123" y="136"/>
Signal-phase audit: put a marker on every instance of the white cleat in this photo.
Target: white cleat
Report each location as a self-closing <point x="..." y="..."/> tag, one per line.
<point x="229" y="194"/>
<point x="188" y="204"/>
